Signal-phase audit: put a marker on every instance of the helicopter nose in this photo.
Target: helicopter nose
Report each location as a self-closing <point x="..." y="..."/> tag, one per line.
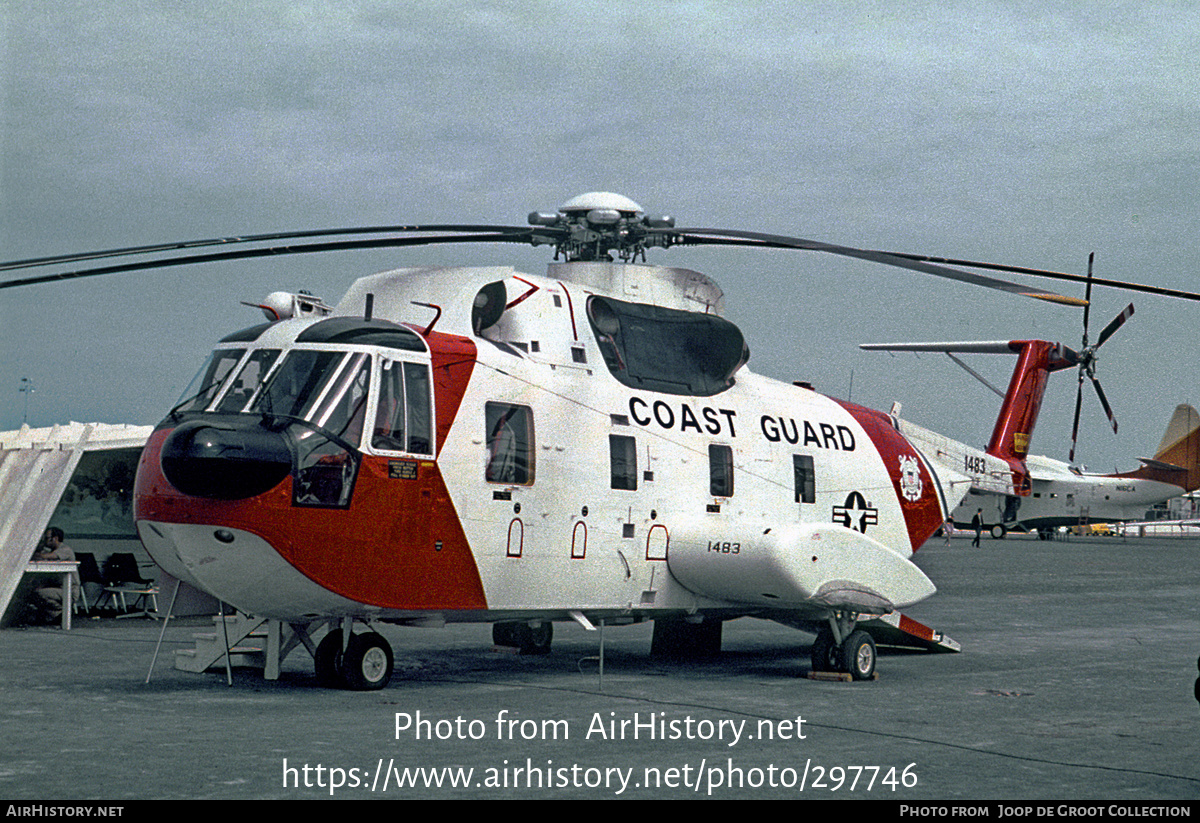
<point x="225" y="460"/>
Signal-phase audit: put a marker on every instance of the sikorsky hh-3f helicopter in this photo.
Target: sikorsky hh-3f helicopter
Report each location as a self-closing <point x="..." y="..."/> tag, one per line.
<point x="487" y="445"/>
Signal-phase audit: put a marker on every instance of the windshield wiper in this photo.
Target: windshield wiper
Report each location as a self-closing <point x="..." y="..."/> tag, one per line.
<point x="174" y="412"/>
<point x="268" y="419"/>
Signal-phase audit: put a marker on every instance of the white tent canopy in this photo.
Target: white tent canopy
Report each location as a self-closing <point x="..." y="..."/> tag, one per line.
<point x="36" y="466"/>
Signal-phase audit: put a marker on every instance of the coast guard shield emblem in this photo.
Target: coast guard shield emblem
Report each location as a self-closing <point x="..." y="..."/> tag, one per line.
<point x="910" y="478"/>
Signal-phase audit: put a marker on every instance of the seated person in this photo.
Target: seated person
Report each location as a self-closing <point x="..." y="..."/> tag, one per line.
<point x="47" y="598"/>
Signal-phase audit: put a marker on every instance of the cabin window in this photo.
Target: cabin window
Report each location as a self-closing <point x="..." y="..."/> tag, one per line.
<point x="805" y="478"/>
<point x="720" y="471"/>
<point x="622" y="451"/>
<point x="509" y="432"/>
<point x="403" y="421"/>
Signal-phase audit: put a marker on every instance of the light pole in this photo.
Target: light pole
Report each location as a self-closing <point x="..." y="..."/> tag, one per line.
<point x="27" y="388"/>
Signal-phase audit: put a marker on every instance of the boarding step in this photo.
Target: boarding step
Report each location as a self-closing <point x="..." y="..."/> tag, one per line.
<point x="247" y="645"/>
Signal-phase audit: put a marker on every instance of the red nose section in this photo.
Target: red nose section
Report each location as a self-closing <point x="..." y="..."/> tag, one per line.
<point x="399" y="545"/>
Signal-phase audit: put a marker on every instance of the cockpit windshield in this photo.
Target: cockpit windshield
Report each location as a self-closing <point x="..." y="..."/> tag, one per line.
<point x="323" y="400"/>
<point x="208" y="380"/>
<point x="328" y="388"/>
<point x="247" y="379"/>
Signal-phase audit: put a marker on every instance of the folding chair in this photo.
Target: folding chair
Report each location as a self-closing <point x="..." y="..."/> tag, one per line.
<point x="125" y="581"/>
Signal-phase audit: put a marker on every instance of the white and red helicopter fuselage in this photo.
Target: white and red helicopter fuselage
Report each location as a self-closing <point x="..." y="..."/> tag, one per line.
<point x="479" y="444"/>
<point x="503" y="462"/>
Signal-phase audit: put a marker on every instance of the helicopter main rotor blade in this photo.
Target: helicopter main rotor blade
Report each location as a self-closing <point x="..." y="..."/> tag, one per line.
<point x="242" y="254"/>
<point x="886" y="258"/>
<point x="1114" y="324"/>
<point x="252" y="238"/>
<point x="1087" y="296"/>
<point x="1056" y="275"/>
<point x="553" y="234"/>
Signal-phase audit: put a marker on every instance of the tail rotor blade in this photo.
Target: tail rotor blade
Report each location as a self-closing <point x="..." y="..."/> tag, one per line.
<point x="1075" y="425"/>
<point x="1087" y="299"/>
<point x="1104" y="402"/>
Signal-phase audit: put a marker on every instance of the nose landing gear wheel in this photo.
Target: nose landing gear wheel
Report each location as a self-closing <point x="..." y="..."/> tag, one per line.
<point x="328" y="660"/>
<point x="367" y="662"/>
<point x="365" y="665"/>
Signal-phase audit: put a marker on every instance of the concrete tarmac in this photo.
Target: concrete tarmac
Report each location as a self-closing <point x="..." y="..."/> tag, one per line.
<point x="1075" y="683"/>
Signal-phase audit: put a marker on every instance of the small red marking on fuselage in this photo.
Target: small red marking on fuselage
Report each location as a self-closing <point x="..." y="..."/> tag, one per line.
<point x="532" y="289"/>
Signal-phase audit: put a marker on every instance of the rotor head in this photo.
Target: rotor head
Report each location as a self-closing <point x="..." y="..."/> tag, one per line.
<point x="592" y="226"/>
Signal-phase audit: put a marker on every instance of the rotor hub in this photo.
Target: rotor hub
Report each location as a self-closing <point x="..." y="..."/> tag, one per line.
<point x="595" y="225"/>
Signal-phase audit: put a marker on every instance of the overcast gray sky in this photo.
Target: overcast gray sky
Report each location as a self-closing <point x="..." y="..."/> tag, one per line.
<point x="1023" y="133"/>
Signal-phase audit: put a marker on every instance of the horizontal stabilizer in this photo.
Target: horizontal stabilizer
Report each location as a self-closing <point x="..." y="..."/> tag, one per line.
<point x="1159" y="464"/>
<point x="896" y="629"/>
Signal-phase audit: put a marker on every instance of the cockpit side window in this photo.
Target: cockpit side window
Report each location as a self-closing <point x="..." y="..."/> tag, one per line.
<point x="420" y="420"/>
<point x="403" y="418"/>
<point x="389" y="415"/>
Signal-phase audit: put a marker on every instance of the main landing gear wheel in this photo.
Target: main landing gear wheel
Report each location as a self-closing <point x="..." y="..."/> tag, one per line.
<point x="529" y="638"/>
<point x="824" y="652"/>
<point x="365" y="665"/>
<point x="998" y="532"/>
<point x="858" y="656"/>
<point x="855" y="656"/>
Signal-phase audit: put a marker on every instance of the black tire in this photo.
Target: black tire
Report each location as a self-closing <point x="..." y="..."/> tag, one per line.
<point x="328" y="660"/>
<point x="367" y="663"/>
<point x="674" y="638"/>
<point x="857" y="655"/>
<point x="505" y="634"/>
<point x="824" y="652"/>
<point x="998" y="532"/>
<point x="530" y="639"/>
<point x="536" y="639"/>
